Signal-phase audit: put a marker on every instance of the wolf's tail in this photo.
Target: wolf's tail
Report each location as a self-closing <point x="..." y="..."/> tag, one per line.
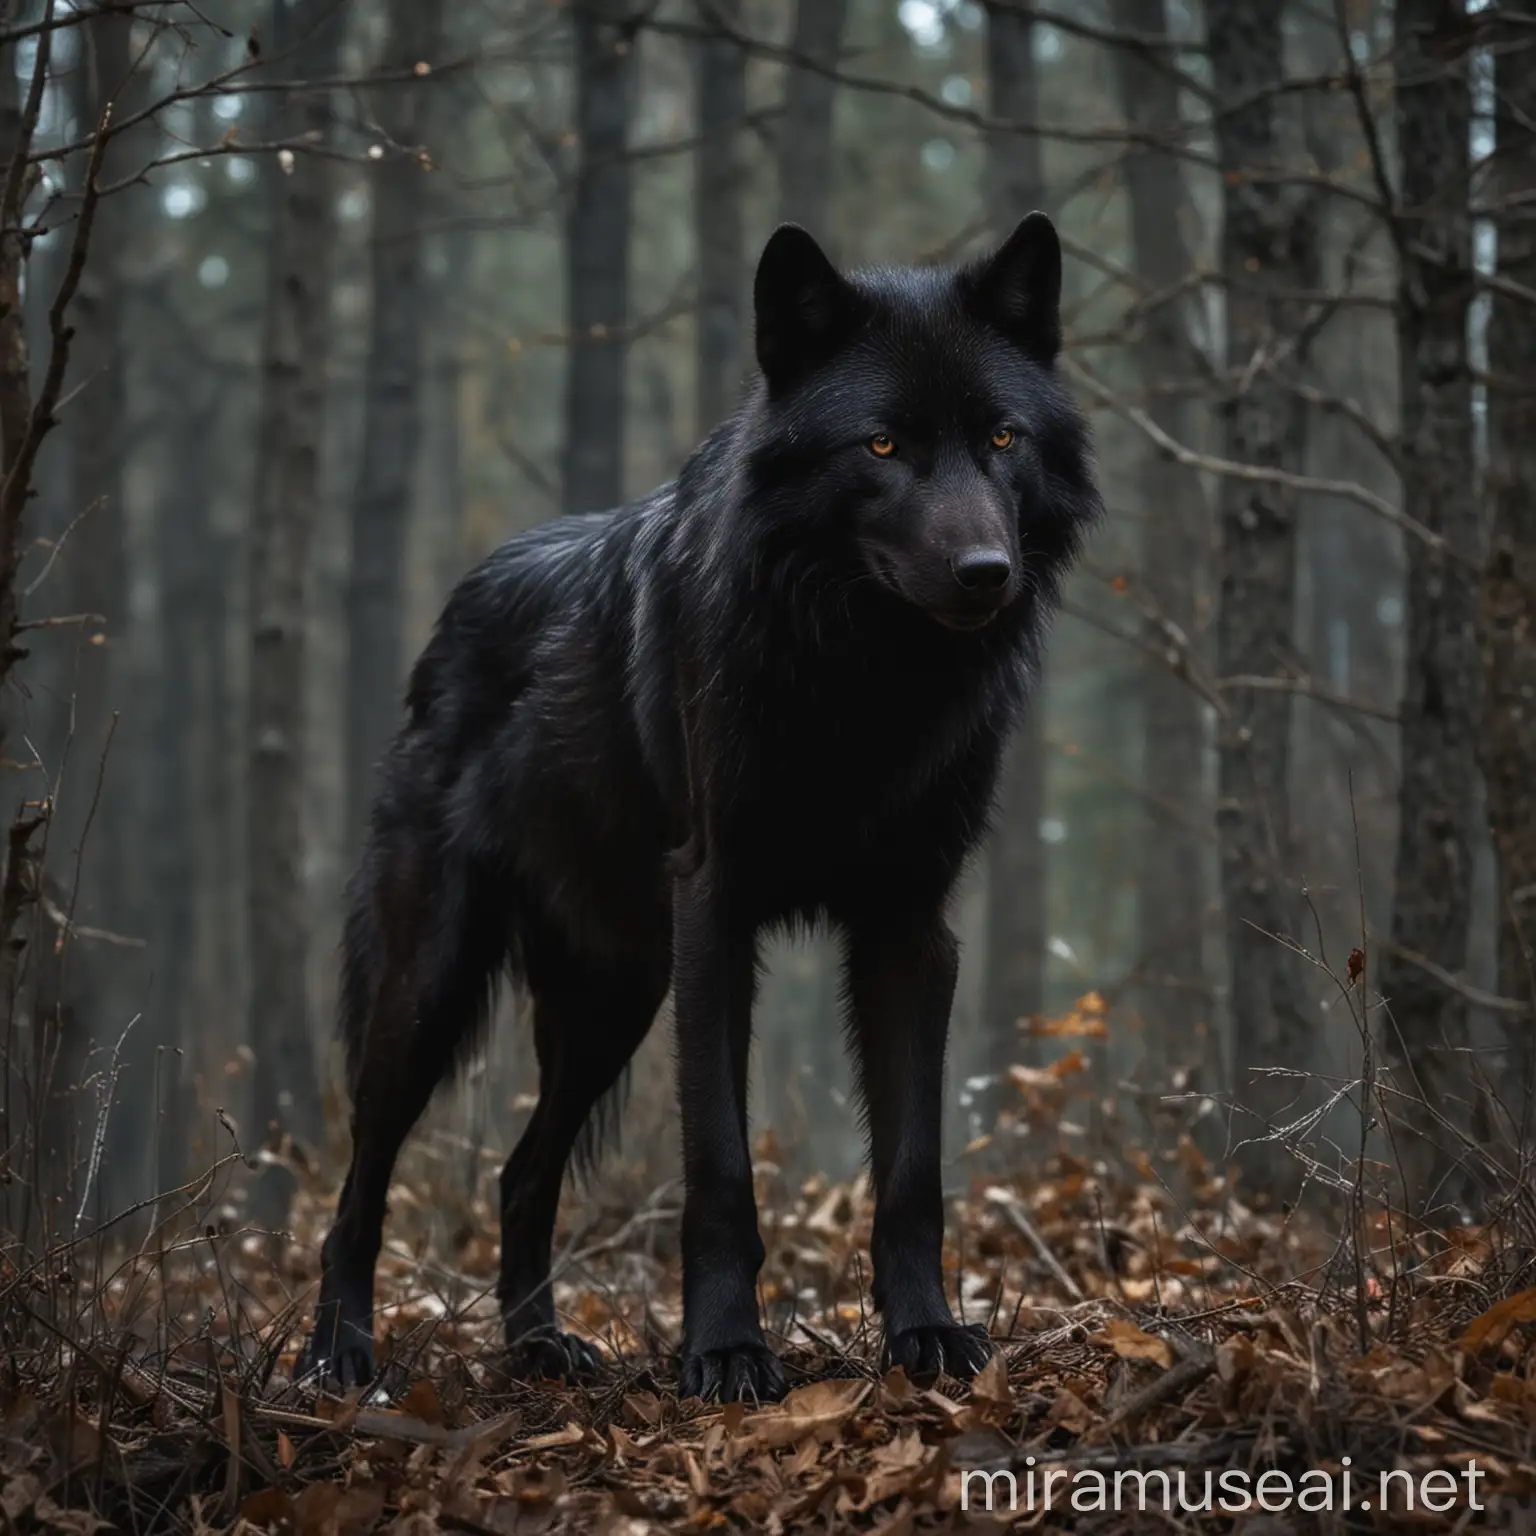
<point x="362" y="963"/>
<point x="426" y="939"/>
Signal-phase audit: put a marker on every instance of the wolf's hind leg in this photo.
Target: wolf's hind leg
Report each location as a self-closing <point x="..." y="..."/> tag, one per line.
<point x="425" y="942"/>
<point x="587" y="1023"/>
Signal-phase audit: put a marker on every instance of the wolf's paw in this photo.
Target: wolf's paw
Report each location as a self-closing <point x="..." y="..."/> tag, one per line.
<point x="933" y="1349"/>
<point x="748" y="1373"/>
<point x="342" y="1362"/>
<point x="546" y="1353"/>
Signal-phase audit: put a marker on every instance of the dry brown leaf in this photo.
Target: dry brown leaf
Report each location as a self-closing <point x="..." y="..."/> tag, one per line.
<point x="1070" y="1411"/>
<point x="902" y="1523"/>
<point x="1068" y="1066"/>
<point x="1130" y="1343"/>
<point x="990" y="1391"/>
<point x="74" y="1441"/>
<point x="623" y="1445"/>
<point x="1490" y="1329"/>
<point x="572" y="1434"/>
<point x="1235" y="1359"/>
<point x="422" y="1402"/>
<point x="903" y="1466"/>
<point x="68" y="1522"/>
<point x="359" y="1508"/>
<point x="818" y="1410"/>
<point x="806" y="1458"/>
<point x="1190" y="1268"/>
<point x="314" y="1510"/>
<point x="1401" y="1381"/>
<point x="540" y="1486"/>
<point x="1087" y="1026"/>
<point x="906" y="1450"/>
<point x="833" y="1214"/>
<point x="19" y="1493"/>
<point x="645" y="1407"/>
<point x="269" y="1508"/>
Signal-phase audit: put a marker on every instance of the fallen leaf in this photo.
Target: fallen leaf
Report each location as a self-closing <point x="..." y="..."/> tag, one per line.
<point x="817" y="1411"/>
<point x="1130" y="1343"/>
<point x="1070" y="1411"/>
<point x="73" y="1439"/>
<point x="644" y="1407"/>
<point x="990" y="1390"/>
<point x="422" y="1402"/>
<point x="572" y="1434"/>
<point x="314" y="1510"/>
<point x="18" y="1495"/>
<point x="1490" y="1329"/>
<point x="68" y="1522"/>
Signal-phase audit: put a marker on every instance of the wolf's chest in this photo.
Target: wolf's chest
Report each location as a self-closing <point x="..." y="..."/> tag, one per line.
<point x="827" y="754"/>
<point x="861" y="810"/>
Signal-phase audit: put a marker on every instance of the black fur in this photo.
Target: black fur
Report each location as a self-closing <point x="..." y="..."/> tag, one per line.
<point x="775" y="692"/>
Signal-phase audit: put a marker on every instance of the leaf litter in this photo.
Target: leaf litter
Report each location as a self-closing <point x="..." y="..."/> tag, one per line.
<point x="1134" y="1328"/>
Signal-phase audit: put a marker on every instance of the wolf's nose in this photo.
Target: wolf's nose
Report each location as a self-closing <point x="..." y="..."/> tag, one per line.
<point x="981" y="570"/>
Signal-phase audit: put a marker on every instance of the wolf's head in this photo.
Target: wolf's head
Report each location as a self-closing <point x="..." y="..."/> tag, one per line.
<point x="916" y="414"/>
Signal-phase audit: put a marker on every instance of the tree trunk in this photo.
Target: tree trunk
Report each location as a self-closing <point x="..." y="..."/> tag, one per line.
<point x="722" y="103"/>
<point x="1016" y="873"/>
<point x="15" y="360"/>
<point x="1509" y="587"/>
<point x="290" y="433"/>
<point x="805" y="133"/>
<point x="185" y="569"/>
<point x="597" y="258"/>
<point x="1268" y="245"/>
<point x="94" y="558"/>
<point x="20" y="1196"/>
<point x="1171" y="887"/>
<point x="449" y="254"/>
<point x="383" y="502"/>
<point x="1440" y="709"/>
<point x="95" y="815"/>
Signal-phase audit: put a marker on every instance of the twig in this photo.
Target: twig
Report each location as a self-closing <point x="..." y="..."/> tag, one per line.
<point x="1013" y="1209"/>
<point x="1317" y="485"/>
<point x="106" y="1090"/>
<point x="1307" y="689"/>
<point x="1511" y="1007"/>
<point x="73" y="930"/>
<point x="56" y="550"/>
<point x="1174" y="1382"/>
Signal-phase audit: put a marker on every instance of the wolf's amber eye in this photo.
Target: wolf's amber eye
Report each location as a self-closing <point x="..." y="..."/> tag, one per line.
<point x="881" y="446"/>
<point x="1003" y="437"/>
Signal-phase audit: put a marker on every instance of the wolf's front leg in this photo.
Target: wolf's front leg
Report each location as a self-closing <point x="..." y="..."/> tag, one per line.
<point x="714" y="976"/>
<point x="901" y="982"/>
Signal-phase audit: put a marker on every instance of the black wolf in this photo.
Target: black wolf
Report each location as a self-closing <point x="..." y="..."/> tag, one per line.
<point x="772" y="693"/>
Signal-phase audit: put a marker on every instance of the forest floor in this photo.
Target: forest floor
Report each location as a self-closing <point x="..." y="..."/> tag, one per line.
<point x="1154" y="1335"/>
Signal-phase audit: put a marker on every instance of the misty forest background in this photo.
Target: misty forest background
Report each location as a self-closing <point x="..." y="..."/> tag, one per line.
<point x="370" y="285"/>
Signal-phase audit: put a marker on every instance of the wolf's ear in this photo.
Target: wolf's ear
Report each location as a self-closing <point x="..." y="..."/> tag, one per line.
<point x="804" y="308"/>
<point x="1018" y="289"/>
